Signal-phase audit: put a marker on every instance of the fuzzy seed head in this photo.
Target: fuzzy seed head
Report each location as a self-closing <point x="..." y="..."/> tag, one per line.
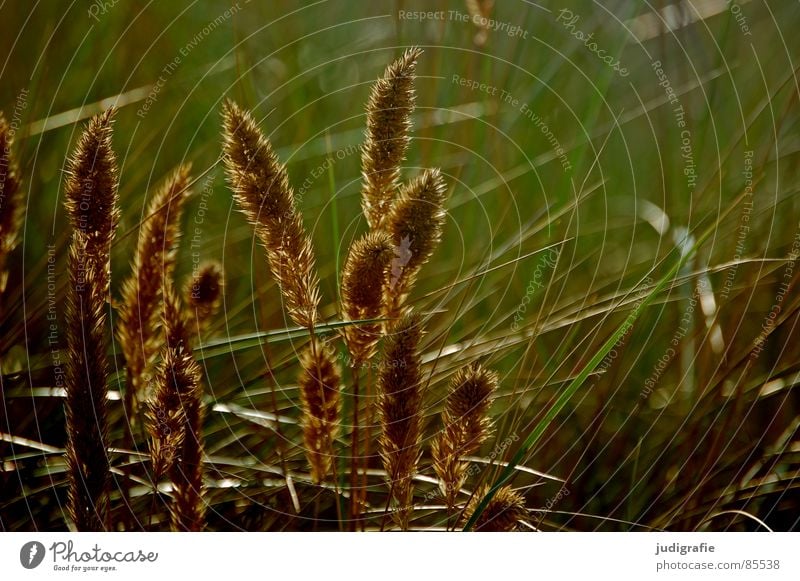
<point x="319" y="390"/>
<point x="502" y="513"/>
<point x="364" y="281"/>
<point x="386" y="141"/>
<point x="261" y="188"/>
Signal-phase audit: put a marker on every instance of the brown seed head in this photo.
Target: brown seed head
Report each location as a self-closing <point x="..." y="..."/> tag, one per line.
<point x="154" y="262"/>
<point x="386" y="141"/>
<point x="91" y="186"/>
<point x="261" y="189"/>
<point x="415" y="224"/>
<point x="466" y="426"/>
<point x="204" y="294"/>
<point x="319" y="390"/>
<point x="400" y="406"/>
<point x="502" y="513"/>
<point x="364" y="281"/>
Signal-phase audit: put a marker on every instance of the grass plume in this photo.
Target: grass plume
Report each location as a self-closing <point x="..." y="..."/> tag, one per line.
<point x="91" y="203"/>
<point x="154" y="262"/>
<point x="364" y="280"/>
<point x="415" y="224"/>
<point x="400" y="406"/>
<point x="262" y="191"/>
<point x="502" y="514"/>
<point x="466" y="426"/>
<point x="319" y="392"/>
<point x="389" y="109"/>
<point x="175" y="420"/>
<point x="10" y="200"/>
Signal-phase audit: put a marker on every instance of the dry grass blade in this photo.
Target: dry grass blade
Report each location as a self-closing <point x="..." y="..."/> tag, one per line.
<point x="400" y="404"/>
<point x="415" y="224"/>
<point x="154" y="262"/>
<point x="10" y="200"/>
<point x="261" y="189"/>
<point x="466" y="426"/>
<point x="388" y="124"/>
<point x="91" y="202"/>
<point x="319" y="391"/>
<point x="364" y="280"/>
<point x="502" y="513"/>
<point x="203" y="294"/>
<point x="175" y="420"/>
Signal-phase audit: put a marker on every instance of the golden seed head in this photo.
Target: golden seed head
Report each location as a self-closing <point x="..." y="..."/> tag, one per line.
<point x="319" y="391"/>
<point x="261" y="188"/>
<point x="388" y="123"/>
<point x="502" y="513"/>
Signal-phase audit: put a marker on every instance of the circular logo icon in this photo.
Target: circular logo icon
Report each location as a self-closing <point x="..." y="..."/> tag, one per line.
<point x="31" y="554"/>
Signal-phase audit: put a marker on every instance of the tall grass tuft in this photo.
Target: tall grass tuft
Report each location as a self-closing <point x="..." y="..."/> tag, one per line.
<point x="400" y="405"/>
<point x="319" y="392"/>
<point x="415" y="224"/>
<point x="262" y="191"/>
<point x="466" y="426"/>
<point x="154" y="262"/>
<point x="503" y="512"/>
<point x="11" y="207"/>
<point x="91" y="203"/>
<point x="388" y="123"/>
<point x="176" y="417"/>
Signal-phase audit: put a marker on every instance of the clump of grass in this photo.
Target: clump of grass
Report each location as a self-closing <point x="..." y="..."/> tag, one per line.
<point x="388" y="123"/>
<point x="262" y="191"/>
<point x="415" y="224"/>
<point x="319" y="392"/>
<point x="175" y="420"/>
<point x="203" y="295"/>
<point x="502" y="513"/>
<point x="154" y="262"/>
<point x="400" y="405"/>
<point x="10" y="200"/>
<point x="91" y="203"/>
<point x="466" y="426"/>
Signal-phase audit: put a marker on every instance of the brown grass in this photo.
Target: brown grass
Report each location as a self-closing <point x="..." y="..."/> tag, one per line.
<point x="261" y="189"/>
<point x="319" y="392"/>
<point x="503" y="512"/>
<point x="388" y="124"/>
<point x="154" y="262"/>
<point x="10" y="200"/>
<point x="400" y="406"/>
<point x="466" y="426"/>
<point x="91" y="203"/>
